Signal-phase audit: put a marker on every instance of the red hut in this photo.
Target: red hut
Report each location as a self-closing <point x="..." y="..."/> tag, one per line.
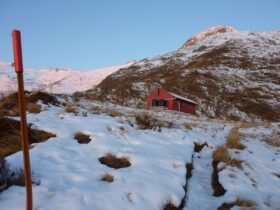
<point x="161" y="99"/>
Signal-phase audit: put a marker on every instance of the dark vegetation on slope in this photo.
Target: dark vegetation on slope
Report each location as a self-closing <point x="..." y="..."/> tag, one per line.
<point x="9" y="104"/>
<point x="10" y="136"/>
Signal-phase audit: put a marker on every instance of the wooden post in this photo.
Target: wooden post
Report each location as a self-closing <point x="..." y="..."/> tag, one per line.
<point x="23" y="122"/>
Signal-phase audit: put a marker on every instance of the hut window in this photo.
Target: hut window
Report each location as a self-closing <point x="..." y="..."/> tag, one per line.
<point x="154" y="103"/>
<point x="161" y="103"/>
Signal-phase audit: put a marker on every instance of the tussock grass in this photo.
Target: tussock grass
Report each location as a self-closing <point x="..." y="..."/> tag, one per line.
<point x="70" y="109"/>
<point x="233" y="139"/>
<point x="114" y="113"/>
<point x="147" y="121"/>
<point x="221" y="155"/>
<point x="241" y="202"/>
<point x="10" y="136"/>
<point x="107" y="177"/>
<point x="9" y="104"/>
<point x="273" y="139"/>
<point x="188" y="126"/>
<point x="82" y="138"/>
<point x="112" y="161"/>
<point x="169" y="205"/>
<point x="33" y="108"/>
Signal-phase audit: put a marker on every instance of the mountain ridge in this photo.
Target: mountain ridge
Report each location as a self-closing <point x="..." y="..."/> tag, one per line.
<point x="54" y="80"/>
<point x="232" y="75"/>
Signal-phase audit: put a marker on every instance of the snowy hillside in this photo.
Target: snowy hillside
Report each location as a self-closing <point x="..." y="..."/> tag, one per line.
<point x="166" y="168"/>
<point x="58" y="81"/>
<point x="230" y="74"/>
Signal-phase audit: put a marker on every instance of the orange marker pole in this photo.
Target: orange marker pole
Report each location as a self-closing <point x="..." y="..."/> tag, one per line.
<point x="23" y="121"/>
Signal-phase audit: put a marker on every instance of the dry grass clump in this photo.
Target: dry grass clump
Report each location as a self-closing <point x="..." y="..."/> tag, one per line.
<point x="146" y="121"/>
<point x="233" y="139"/>
<point x="188" y="126"/>
<point x="33" y="108"/>
<point x="221" y="155"/>
<point x="9" y="104"/>
<point x="82" y="138"/>
<point x="114" y="113"/>
<point x="244" y="202"/>
<point x="241" y="202"/>
<point x="107" y="177"/>
<point x="273" y="139"/>
<point x="170" y="206"/>
<point x="70" y="109"/>
<point x="10" y="136"/>
<point x="112" y="161"/>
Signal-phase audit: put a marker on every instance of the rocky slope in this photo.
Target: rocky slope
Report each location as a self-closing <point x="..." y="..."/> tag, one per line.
<point x="230" y="74"/>
<point x="53" y="80"/>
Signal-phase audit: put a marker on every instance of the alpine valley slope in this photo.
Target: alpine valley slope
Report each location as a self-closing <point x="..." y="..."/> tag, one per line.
<point x="230" y="74"/>
<point x="54" y="80"/>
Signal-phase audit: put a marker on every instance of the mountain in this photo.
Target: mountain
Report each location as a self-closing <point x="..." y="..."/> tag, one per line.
<point x="230" y="74"/>
<point x="54" y="80"/>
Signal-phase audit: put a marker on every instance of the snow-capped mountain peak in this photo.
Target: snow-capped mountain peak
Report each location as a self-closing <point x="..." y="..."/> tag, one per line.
<point x="208" y="32"/>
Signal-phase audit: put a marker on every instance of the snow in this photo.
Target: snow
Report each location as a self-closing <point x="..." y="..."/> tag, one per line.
<point x="70" y="173"/>
<point x="58" y="81"/>
<point x="183" y="98"/>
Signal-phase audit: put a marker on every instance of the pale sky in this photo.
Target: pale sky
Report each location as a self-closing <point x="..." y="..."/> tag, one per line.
<point x="87" y="34"/>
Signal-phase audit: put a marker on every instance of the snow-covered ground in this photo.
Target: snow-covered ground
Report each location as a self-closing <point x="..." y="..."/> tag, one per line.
<point x="70" y="173"/>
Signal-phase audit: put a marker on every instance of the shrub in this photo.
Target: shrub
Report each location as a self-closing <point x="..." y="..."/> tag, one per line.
<point x="114" y="162"/>
<point x="82" y="138"/>
<point x="107" y="177"/>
